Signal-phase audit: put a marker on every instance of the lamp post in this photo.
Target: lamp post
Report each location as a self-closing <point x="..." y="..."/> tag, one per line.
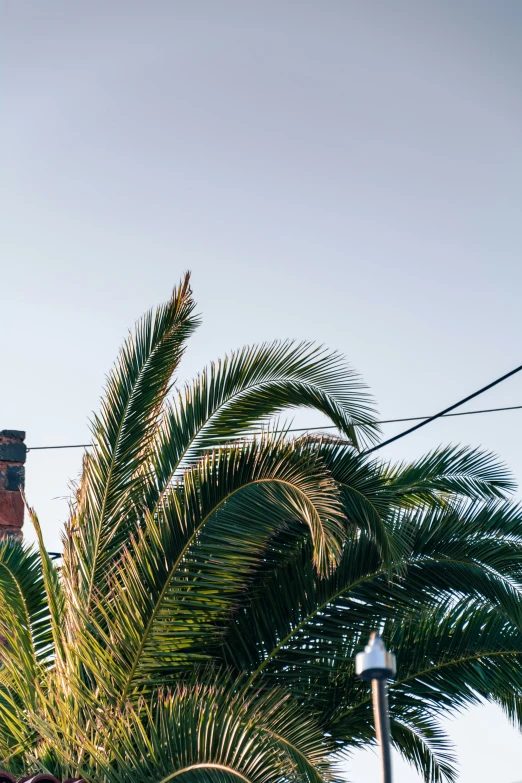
<point x="378" y="665"/>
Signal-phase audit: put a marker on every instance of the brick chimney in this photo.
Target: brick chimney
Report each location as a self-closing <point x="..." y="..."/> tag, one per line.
<point x="12" y="479"/>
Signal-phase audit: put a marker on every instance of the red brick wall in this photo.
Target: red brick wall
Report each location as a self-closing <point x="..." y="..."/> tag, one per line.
<point x="12" y="478"/>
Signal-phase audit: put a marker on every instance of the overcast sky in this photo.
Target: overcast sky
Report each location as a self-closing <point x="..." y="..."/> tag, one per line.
<point x="349" y="172"/>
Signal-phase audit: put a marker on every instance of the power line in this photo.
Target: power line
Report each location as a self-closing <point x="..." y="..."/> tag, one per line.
<point x="415" y="418"/>
<point x="444" y="412"/>
<point x="423" y="419"/>
<point x="69" y="446"/>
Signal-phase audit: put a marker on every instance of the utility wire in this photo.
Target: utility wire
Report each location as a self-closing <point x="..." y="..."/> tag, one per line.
<point x="423" y="419"/>
<point x="410" y="418"/>
<point x="444" y="412"/>
<point x="69" y="446"/>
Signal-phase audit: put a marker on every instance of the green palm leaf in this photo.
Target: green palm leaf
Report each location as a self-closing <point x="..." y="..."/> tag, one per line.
<point x="246" y="389"/>
<point x="24" y="613"/>
<point x="134" y="396"/>
<point x="53" y="591"/>
<point x="450" y="471"/>
<point x="187" y="571"/>
<point x="25" y="625"/>
<point x="256" y="739"/>
<point x="297" y="624"/>
<point x="426" y="746"/>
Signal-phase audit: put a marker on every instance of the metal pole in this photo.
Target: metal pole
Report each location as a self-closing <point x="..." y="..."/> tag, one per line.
<point x="382" y="727"/>
<point x="377" y="665"/>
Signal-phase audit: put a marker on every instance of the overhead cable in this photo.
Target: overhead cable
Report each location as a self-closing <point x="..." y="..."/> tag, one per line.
<point x="423" y="419"/>
<point x="444" y="412"/>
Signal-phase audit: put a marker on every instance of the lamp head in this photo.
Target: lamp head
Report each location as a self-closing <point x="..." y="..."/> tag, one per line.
<point x="375" y="663"/>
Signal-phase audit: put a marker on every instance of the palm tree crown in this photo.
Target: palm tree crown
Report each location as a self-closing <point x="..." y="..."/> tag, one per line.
<point x="218" y="576"/>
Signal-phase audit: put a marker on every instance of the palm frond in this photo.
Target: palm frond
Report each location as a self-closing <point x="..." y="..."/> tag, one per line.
<point x="423" y="743"/>
<point x="201" y="729"/>
<point x="449" y="472"/>
<point x="53" y="590"/>
<point x="27" y="646"/>
<point x="17" y="736"/>
<point x="24" y="614"/>
<point x="296" y="626"/>
<point x="178" y="584"/>
<point x="364" y="492"/>
<point x="135" y="392"/>
<point x="245" y="390"/>
<point x="448" y="658"/>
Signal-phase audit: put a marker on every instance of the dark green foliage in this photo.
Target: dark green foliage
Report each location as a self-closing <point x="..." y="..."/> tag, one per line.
<point x="218" y="578"/>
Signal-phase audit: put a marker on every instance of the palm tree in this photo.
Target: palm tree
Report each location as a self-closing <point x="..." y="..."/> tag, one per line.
<point x="218" y="576"/>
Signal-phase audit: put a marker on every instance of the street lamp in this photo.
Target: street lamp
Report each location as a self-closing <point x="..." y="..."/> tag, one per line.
<point x="378" y="665"/>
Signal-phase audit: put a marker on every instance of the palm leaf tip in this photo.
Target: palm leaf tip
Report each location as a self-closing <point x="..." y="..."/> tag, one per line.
<point x="131" y="406"/>
<point x="452" y="471"/>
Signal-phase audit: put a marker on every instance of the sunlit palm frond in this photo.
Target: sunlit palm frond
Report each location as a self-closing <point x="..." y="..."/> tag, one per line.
<point x="207" y="733"/>
<point x="188" y="569"/>
<point x="363" y="489"/>
<point x="135" y="392"/>
<point x="53" y="591"/>
<point x="245" y="390"/>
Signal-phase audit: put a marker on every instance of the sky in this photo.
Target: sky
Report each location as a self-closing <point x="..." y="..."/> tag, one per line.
<point x="347" y="172"/>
